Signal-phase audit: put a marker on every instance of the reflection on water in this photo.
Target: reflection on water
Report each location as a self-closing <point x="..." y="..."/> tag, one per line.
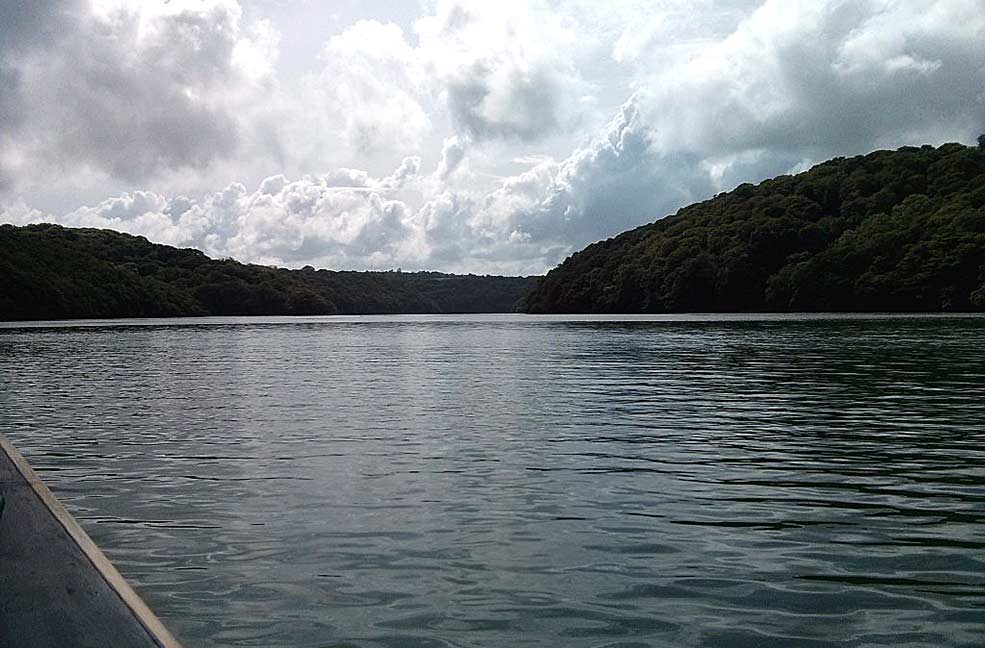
<point x="512" y="481"/>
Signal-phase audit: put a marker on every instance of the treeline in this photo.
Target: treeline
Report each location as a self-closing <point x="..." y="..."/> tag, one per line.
<point x="889" y="231"/>
<point x="53" y="272"/>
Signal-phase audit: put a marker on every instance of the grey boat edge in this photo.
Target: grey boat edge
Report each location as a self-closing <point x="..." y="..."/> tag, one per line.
<point x="56" y="587"/>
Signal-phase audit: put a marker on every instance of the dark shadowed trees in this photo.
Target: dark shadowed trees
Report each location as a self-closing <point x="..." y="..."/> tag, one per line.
<point x="892" y="230"/>
<point x="53" y="272"/>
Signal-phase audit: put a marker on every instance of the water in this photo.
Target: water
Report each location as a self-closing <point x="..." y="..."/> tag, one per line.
<point x="511" y="481"/>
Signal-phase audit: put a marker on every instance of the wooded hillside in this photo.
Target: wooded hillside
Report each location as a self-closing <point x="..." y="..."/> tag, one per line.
<point x="889" y="231"/>
<point x="53" y="272"/>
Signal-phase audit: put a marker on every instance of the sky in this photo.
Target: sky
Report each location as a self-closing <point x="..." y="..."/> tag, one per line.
<point x="486" y="137"/>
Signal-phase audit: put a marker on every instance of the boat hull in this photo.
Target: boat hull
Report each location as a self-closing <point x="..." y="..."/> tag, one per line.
<point x="56" y="587"/>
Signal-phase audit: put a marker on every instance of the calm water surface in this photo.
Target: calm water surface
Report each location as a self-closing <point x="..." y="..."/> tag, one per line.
<point x="511" y="481"/>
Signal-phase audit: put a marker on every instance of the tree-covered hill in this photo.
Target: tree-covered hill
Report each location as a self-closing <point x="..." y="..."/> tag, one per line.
<point x="889" y="231"/>
<point x="53" y="272"/>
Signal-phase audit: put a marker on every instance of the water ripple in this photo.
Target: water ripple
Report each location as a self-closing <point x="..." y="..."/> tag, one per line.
<point x="510" y="480"/>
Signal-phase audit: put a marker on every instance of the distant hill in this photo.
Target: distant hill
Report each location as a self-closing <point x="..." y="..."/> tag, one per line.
<point x="53" y="272"/>
<point x="889" y="231"/>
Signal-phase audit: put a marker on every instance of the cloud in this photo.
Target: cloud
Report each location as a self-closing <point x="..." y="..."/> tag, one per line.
<point x="445" y="232"/>
<point x="405" y="173"/>
<point x="310" y="220"/>
<point x="485" y="72"/>
<point x="713" y="93"/>
<point x="341" y="219"/>
<point x="452" y="155"/>
<point x="18" y="212"/>
<point x="617" y="181"/>
<point x="794" y="82"/>
<point x="505" y="68"/>
<point x="129" y="90"/>
<point x="826" y="78"/>
<point x="26" y="27"/>
<point x="367" y="95"/>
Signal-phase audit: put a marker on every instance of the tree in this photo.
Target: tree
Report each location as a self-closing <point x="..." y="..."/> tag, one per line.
<point x="981" y="141"/>
<point x="50" y="272"/>
<point x="892" y="230"/>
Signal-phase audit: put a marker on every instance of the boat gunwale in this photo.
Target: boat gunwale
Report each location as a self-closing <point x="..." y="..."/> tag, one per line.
<point x="151" y="624"/>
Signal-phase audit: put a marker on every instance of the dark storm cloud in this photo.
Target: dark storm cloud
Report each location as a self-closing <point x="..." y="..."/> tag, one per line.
<point x="25" y="26"/>
<point x="130" y="91"/>
<point x="31" y="23"/>
<point x="139" y="103"/>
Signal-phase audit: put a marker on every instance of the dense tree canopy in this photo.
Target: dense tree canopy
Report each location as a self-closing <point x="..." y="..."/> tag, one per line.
<point x="889" y="231"/>
<point x="53" y="272"/>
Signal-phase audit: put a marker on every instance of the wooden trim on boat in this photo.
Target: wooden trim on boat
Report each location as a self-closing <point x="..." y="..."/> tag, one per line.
<point x="99" y="561"/>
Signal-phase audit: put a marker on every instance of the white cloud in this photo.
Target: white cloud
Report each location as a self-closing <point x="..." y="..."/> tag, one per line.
<point x="503" y="69"/>
<point x="483" y="71"/>
<point x="794" y="81"/>
<point x="181" y="97"/>
<point x="452" y="155"/>
<point x="404" y="174"/>
<point x="368" y="96"/>
<point x="828" y="78"/>
<point x="341" y="219"/>
<point x="136" y="90"/>
<point x="18" y="212"/>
